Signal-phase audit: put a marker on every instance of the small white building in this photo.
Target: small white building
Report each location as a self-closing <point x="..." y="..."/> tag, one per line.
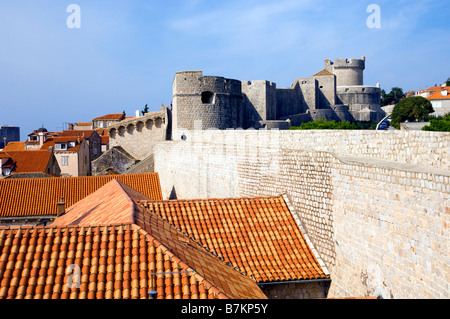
<point x="440" y="100"/>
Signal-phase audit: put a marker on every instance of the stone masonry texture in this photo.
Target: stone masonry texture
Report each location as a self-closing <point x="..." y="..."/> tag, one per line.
<point x="375" y="205"/>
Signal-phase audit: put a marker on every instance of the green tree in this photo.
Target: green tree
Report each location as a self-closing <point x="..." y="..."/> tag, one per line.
<point x="415" y="108"/>
<point x="393" y="97"/>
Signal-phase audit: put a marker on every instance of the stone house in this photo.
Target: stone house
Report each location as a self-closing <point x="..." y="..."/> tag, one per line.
<point x="92" y="137"/>
<point x="106" y="120"/>
<point x="82" y="126"/>
<point x="72" y="154"/>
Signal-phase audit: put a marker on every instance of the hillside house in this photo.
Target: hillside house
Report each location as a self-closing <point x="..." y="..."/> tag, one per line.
<point x="27" y="164"/>
<point x="440" y="100"/>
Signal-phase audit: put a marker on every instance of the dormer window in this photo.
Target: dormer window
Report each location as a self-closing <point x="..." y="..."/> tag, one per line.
<point x="72" y="144"/>
<point x="60" y="146"/>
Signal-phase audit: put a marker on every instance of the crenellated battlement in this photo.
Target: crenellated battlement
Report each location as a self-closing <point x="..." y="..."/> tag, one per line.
<point x="348" y="72"/>
<point x="346" y="63"/>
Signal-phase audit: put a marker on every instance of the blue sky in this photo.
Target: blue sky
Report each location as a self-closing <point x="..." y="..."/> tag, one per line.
<point x="126" y="53"/>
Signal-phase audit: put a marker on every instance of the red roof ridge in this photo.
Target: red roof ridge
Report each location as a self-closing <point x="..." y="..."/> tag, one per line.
<point x="219" y="198"/>
<point x="99" y="208"/>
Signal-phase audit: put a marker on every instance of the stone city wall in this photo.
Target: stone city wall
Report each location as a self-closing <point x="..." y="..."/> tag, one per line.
<point x="138" y="135"/>
<point x="380" y="226"/>
<point x="408" y="147"/>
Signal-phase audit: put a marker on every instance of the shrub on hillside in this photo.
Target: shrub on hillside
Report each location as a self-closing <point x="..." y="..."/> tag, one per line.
<point x="323" y="124"/>
<point x="441" y="124"/>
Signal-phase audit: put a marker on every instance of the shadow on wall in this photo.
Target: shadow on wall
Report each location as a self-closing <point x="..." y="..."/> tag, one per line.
<point x="252" y="117"/>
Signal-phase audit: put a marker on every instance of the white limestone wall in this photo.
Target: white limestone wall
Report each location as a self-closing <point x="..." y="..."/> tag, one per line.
<point x="379" y="221"/>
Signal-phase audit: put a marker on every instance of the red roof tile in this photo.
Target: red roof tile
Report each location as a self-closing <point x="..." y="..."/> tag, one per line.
<point x="85" y="213"/>
<point x="259" y="235"/>
<point x="323" y="72"/>
<point x="39" y="196"/>
<point x="14" y="146"/>
<point x="74" y="133"/>
<point x="114" y="116"/>
<point x="121" y="261"/>
<point x="440" y="94"/>
<point x="111" y="262"/>
<point x="30" y="161"/>
<point x="51" y="141"/>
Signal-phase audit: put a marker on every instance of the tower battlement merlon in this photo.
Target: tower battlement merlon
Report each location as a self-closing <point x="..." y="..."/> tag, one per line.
<point x="347" y="63"/>
<point x="348" y="71"/>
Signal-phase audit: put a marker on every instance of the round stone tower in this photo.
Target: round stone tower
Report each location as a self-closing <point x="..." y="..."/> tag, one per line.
<point x="205" y="102"/>
<point x="349" y="72"/>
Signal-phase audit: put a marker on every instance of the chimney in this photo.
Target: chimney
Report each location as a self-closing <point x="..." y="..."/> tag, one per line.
<point x="61" y="205"/>
<point x="41" y="139"/>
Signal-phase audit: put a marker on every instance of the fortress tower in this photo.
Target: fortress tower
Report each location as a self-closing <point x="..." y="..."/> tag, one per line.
<point x="213" y="102"/>
<point x="349" y="72"/>
<point x="210" y="101"/>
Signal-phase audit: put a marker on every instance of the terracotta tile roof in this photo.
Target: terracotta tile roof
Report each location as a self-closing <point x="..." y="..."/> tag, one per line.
<point x="114" y="116"/>
<point x="102" y="131"/>
<point x="83" y="123"/>
<point x="14" y="146"/>
<point x="86" y="213"/>
<point x="113" y="262"/>
<point x="323" y="72"/>
<point x="439" y="96"/>
<point x="105" y="139"/>
<point x="259" y="235"/>
<point x="50" y="142"/>
<point x="30" y="161"/>
<point x="74" y="133"/>
<point x="123" y="261"/>
<point x="433" y="89"/>
<point x="39" y="196"/>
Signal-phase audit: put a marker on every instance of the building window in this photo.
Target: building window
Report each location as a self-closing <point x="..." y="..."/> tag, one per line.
<point x="436" y="104"/>
<point x="100" y="124"/>
<point x="207" y="97"/>
<point x="64" y="160"/>
<point x="60" y="146"/>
